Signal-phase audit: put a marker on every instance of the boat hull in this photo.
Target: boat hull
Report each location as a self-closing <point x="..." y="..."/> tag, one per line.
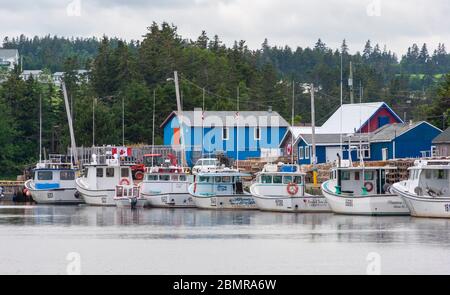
<point x="64" y="196"/>
<point x="424" y="206"/>
<point x="302" y="204"/>
<point x="96" y="197"/>
<point x="125" y="203"/>
<point x="387" y="204"/>
<point x="169" y="200"/>
<point x="242" y="202"/>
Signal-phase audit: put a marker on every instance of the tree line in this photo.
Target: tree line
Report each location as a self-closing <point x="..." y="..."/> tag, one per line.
<point x="211" y="75"/>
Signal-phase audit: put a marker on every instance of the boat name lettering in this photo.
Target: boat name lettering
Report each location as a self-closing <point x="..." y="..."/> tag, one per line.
<point x="447" y="207"/>
<point x="279" y="203"/>
<point x="349" y="203"/>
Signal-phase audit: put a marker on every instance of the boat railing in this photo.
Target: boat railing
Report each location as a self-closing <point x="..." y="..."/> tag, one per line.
<point x="127" y="191"/>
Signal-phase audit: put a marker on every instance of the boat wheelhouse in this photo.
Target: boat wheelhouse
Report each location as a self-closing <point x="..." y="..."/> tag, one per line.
<point x="282" y="188"/>
<point x="53" y="182"/>
<point x="221" y="190"/>
<point x="362" y="191"/>
<point x="98" y="183"/>
<point x="167" y="187"/>
<point x="127" y="196"/>
<point x="427" y="190"/>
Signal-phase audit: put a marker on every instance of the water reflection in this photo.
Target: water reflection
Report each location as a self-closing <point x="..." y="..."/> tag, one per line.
<point x="210" y="224"/>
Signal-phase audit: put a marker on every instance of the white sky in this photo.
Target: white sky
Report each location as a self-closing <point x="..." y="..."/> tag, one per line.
<point x="396" y="23"/>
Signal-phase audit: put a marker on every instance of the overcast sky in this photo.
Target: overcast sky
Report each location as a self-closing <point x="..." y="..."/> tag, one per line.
<point x="395" y="23"/>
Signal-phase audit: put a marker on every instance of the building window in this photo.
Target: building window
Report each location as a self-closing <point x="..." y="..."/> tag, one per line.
<point x="365" y="151"/>
<point x="301" y="153"/>
<point x="225" y="133"/>
<point x="307" y="152"/>
<point x="433" y="151"/>
<point x="257" y="133"/>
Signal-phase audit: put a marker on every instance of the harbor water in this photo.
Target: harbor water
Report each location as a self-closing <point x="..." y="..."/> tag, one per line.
<point x="48" y="239"/>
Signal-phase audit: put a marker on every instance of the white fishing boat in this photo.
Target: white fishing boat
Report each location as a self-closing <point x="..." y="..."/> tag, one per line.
<point x="53" y="182"/>
<point x="427" y="190"/>
<point x="282" y="188"/>
<point x="362" y="191"/>
<point x="166" y="184"/>
<point x="97" y="185"/>
<point x="127" y="196"/>
<point x="221" y="190"/>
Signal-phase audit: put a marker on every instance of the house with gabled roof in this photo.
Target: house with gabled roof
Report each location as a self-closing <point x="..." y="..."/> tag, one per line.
<point x="256" y="133"/>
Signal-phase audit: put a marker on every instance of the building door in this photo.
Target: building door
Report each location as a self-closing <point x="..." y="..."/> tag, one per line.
<point x="384" y="154"/>
<point x="331" y="154"/>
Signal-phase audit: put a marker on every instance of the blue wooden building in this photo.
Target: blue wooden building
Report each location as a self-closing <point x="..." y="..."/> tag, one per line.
<point x="392" y="141"/>
<point x="237" y="135"/>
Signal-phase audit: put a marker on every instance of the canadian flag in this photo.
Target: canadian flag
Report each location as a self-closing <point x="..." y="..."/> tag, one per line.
<point x="121" y="151"/>
<point x="289" y="149"/>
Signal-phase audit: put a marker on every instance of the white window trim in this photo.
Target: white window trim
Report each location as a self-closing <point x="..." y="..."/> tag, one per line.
<point x="307" y="151"/>
<point x="254" y="133"/>
<point x="301" y="153"/>
<point x="228" y="133"/>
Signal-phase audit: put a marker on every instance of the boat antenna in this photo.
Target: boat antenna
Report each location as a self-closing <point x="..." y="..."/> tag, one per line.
<point x="123" y="121"/>
<point x="40" y="127"/>
<point x="153" y="126"/>
<point x="292" y="121"/>
<point x="203" y="119"/>
<point x="237" y="129"/>
<point x="94" y="100"/>
<point x="340" y="110"/>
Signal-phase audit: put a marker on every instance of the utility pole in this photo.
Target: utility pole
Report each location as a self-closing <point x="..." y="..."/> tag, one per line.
<point x="180" y="120"/>
<point x="313" y="129"/>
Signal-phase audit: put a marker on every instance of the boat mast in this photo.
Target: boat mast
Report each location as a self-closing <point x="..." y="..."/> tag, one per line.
<point x="40" y="127"/>
<point x="180" y="119"/>
<point x="69" y="119"/>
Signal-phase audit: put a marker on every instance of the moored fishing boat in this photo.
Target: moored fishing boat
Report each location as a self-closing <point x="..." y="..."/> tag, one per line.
<point x="97" y="185"/>
<point x="53" y="182"/>
<point x="362" y="191"/>
<point x="282" y="188"/>
<point x="221" y="190"/>
<point x="427" y="190"/>
<point x="127" y="196"/>
<point x="166" y="183"/>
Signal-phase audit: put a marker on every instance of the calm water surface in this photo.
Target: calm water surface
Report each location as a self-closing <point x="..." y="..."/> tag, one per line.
<point x="38" y="239"/>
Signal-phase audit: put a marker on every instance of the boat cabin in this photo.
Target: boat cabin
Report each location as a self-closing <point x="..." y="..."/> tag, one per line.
<point x="105" y="177"/>
<point x="361" y="180"/>
<point x="219" y="183"/>
<point x="47" y="178"/>
<point x="430" y="178"/>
